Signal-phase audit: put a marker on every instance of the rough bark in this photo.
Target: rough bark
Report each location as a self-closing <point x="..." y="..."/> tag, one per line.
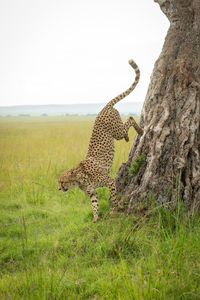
<point x="170" y="147"/>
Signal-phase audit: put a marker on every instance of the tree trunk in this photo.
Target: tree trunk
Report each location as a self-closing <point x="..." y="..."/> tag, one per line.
<point x="165" y="162"/>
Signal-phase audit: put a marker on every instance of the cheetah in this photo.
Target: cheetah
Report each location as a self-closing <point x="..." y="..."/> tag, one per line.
<point x="94" y="170"/>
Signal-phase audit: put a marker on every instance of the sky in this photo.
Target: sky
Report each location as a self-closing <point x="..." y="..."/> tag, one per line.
<point x="77" y="51"/>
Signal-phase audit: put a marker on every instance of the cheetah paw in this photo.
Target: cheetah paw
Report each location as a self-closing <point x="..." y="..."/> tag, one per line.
<point x="126" y="138"/>
<point x="95" y="218"/>
<point x="113" y="211"/>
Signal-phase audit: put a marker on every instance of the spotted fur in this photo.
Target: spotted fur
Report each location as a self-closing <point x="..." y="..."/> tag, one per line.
<point x="94" y="170"/>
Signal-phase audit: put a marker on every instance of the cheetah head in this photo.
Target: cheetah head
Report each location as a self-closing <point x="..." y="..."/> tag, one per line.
<point x="67" y="181"/>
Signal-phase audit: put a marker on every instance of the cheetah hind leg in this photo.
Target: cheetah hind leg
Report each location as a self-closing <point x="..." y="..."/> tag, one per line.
<point x="139" y="130"/>
<point x="121" y="129"/>
<point x="131" y="122"/>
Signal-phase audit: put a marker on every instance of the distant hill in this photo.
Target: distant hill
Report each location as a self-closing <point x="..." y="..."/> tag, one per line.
<point x="68" y="109"/>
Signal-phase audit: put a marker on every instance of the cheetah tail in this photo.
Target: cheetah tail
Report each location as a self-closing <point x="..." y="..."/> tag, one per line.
<point x="128" y="91"/>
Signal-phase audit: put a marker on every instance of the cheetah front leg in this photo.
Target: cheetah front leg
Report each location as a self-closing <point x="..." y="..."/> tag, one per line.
<point x="113" y="194"/>
<point x="91" y="192"/>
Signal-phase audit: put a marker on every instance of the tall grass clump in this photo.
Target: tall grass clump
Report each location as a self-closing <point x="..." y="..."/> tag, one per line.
<point x="49" y="246"/>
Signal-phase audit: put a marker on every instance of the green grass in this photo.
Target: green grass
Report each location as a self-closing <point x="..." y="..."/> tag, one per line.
<point x="51" y="249"/>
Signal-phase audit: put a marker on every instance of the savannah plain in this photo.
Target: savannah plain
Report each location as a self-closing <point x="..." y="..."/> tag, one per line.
<point x="49" y="246"/>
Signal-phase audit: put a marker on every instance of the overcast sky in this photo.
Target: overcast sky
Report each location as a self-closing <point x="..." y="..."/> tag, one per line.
<point x="76" y="51"/>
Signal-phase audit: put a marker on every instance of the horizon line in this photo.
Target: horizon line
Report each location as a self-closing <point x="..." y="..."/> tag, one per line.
<point x="18" y="105"/>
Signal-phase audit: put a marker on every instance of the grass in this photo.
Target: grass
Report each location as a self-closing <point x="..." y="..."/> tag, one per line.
<point x="49" y="246"/>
